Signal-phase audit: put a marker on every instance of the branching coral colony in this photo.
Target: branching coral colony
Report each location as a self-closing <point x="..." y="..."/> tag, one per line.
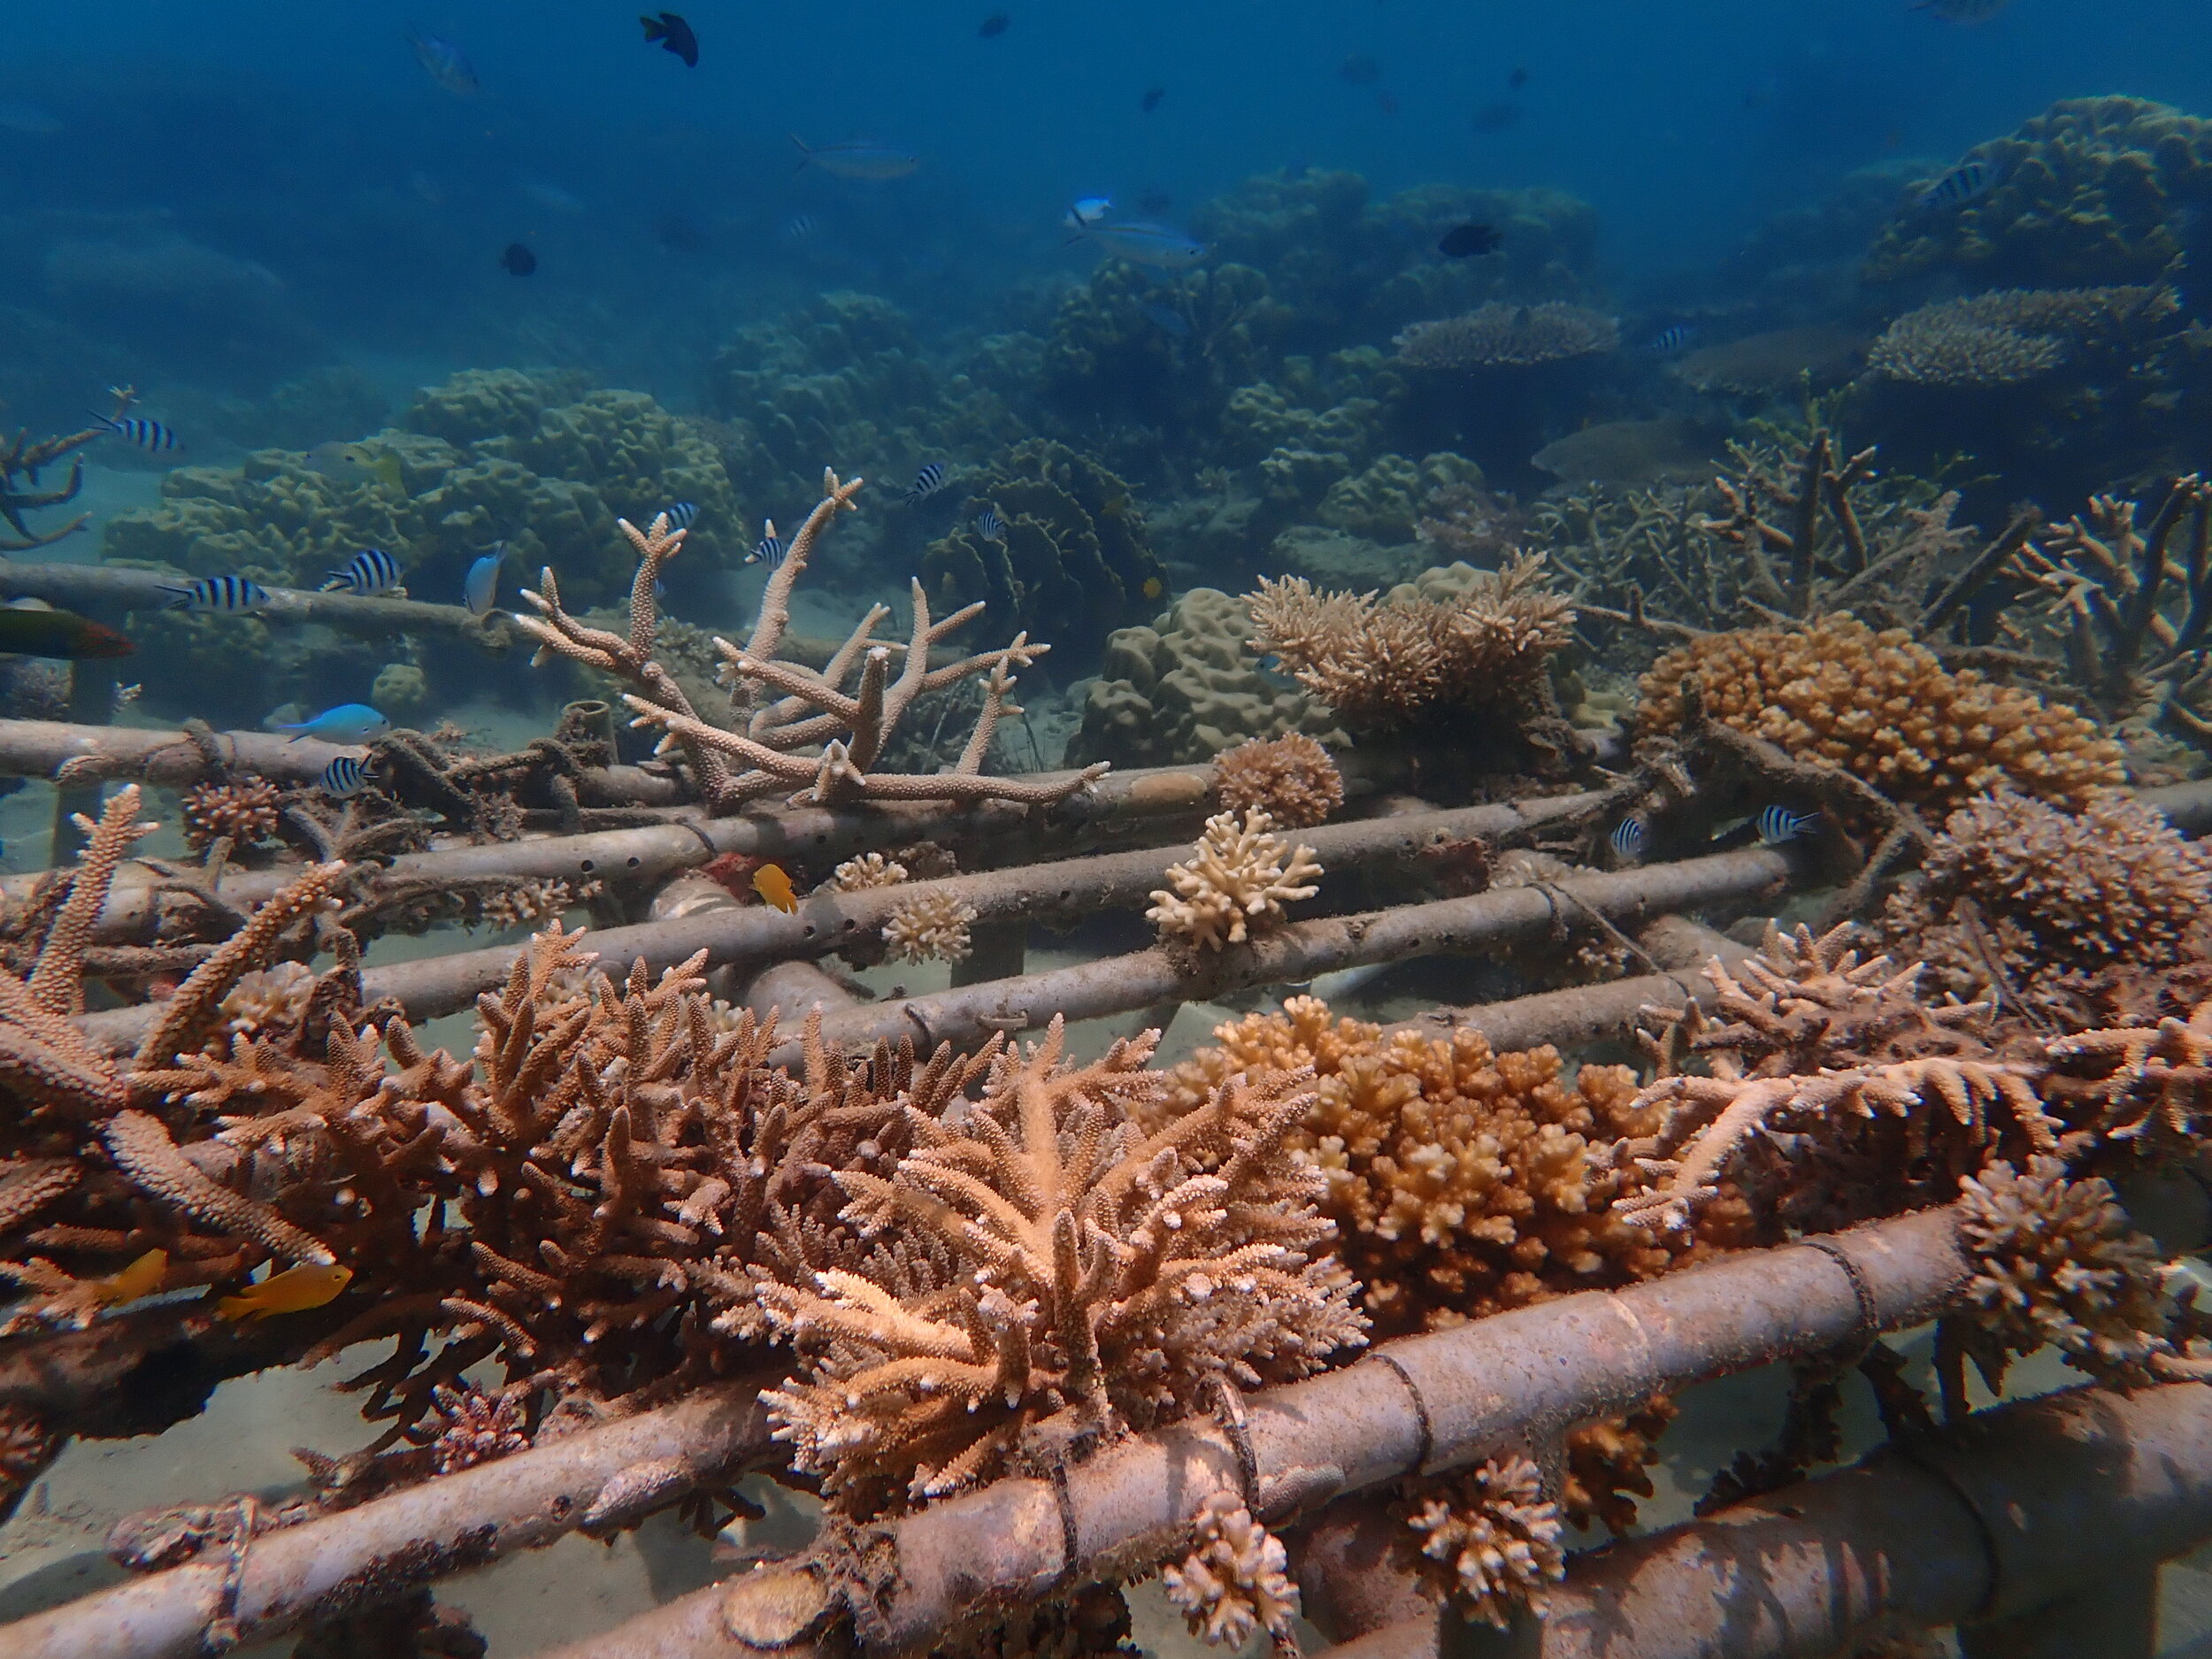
<point x="851" y="729"/>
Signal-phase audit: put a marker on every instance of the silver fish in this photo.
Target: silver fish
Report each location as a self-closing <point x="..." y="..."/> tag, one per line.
<point x="858" y="158"/>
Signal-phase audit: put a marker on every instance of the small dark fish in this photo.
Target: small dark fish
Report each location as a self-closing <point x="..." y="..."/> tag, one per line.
<point x="1778" y="824"/>
<point x="675" y="37"/>
<point x="216" y="593"/>
<point x="1388" y="104"/>
<point x="681" y="515"/>
<point x="1496" y="117"/>
<point x="147" y="434"/>
<point x="442" y="61"/>
<point x="1970" y="181"/>
<point x="26" y="631"/>
<point x="370" y="570"/>
<point x="1151" y="99"/>
<point x="801" y="228"/>
<point x="994" y="26"/>
<point x="990" y="526"/>
<point x="1669" y="342"/>
<point x="518" y="260"/>
<point x="1518" y="78"/>
<point x="769" y="550"/>
<point x="679" y="234"/>
<point x="1166" y="318"/>
<point x="1467" y="242"/>
<point x="926" y="483"/>
<point x="1627" y="839"/>
<point x="1359" y="70"/>
<point x="344" y="776"/>
<point x="1155" y="202"/>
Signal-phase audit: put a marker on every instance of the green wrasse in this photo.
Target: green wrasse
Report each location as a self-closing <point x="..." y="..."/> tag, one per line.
<point x="41" y="632"/>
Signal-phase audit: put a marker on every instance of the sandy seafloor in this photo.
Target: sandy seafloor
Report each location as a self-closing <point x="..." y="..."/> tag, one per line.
<point x="52" y="1550"/>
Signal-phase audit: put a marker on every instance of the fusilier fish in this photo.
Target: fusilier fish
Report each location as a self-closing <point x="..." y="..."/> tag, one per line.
<point x="1147" y="242"/>
<point x="858" y="158"/>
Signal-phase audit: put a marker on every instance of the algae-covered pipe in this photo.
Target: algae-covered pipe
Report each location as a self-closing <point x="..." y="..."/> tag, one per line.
<point x="120" y="587"/>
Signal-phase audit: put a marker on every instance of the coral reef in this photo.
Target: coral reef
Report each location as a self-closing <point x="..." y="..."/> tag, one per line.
<point x="1461" y="1182"/>
<point x="1185" y="688"/>
<point x="1238" y="880"/>
<point x="1836" y="694"/>
<point x="1072" y="554"/>
<point x="1234" y="1581"/>
<point x="2017" y="334"/>
<point x="1497" y="336"/>
<point x="1290" y="778"/>
<point x="932" y="928"/>
<point x="1045" y="1254"/>
<point x="1485" y="1539"/>
<point x="2092" y="191"/>
<point x="1416" y="656"/>
<point x="1383" y="502"/>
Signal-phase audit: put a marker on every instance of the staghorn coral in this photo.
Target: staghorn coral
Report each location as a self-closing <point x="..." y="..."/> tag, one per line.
<point x="1461" y="1182"/>
<point x="1290" y="778"/>
<point x="1889" y="1097"/>
<point x="474" y="1427"/>
<point x="1500" y="336"/>
<point x="869" y="870"/>
<point x="1606" y="1466"/>
<point x="2014" y="335"/>
<point x="814" y="709"/>
<point x="244" y="812"/>
<point x="1237" y="879"/>
<point x="530" y="903"/>
<point x="1485" y="1540"/>
<point x="1380" y="663"/>
<point x="2149" y="1085"/>
<point x="22" y="460"/>
<point x="1836" y="693"/>
<point x="1234" y="1582"/>
<point x="1043" y="1253"/>
<point x="931" y="928"/>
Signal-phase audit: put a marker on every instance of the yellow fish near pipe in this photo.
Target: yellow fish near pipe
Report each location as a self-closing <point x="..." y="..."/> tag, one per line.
<point x="295" y="1290"/>
<point x="141" y="1278"/>
<point x="775" y="887"/>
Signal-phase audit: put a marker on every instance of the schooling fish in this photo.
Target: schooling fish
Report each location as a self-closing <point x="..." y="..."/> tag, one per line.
<point x="141" y="1278"/>
<point x="1496" y="117"/>
<point x="344" y="776"/>
<point x="800" y="227"/>
<point x="681" y="515"/>
<point x="1151" y="99"/>
<point x="926" y="483"/>
<point x="769" y="548"/>
<point x="517" y="260"/>
<point x="774" y="887"/>
<point x="675" y="37"/>
<point x="216" y="593"/>
<point x="856" y="158"/>
<point x="48" y="633"/>
<point x="295" y="1290"/>
<point x="1778" y="824"/>
<point x="994" y="26"/>
<point x="442" y="61"/>
<point x="348" y="723"/>
<point x="1628" y="839"/>
<point x="368" y="573"/>
<point x="990" y="526"/>
<point x="1144" y="242"/>
<point x="1467" y="241"/>
<point x="147" y="434"/>
<point x="1971" y="180"/>
<point x="479" y="588"/>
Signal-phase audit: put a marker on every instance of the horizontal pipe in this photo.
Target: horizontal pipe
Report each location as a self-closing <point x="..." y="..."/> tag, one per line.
<point x="112" y="588"/>
<point x="2020" y="1508"/>
<point x="1437" y="1402"/>
<point x="967" y="1015"/>
<point x="825" y="922"/>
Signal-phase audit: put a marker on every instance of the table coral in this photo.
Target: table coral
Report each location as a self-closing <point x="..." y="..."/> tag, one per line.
<point x="1499" y="336"/>
<point x="1236" y="883"/>
<point x="1835" y="693"/>
<point x="2016" y="334"/>
<point x="2093" y="190"/>
<point x="1290" y="778"/>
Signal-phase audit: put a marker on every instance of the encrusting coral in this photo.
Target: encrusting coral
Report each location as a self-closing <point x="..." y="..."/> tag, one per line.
<point x="1290" y="778"/>
<point x="1836" y="693"/>
<point x="1043" y="1253"/>
<point x="1235" y="1581"/>
<point x="1385" y="661"/>
<point x="1238" y="880"/>
<point x="1485" y="1539"/>
<point x="814" y="710"/>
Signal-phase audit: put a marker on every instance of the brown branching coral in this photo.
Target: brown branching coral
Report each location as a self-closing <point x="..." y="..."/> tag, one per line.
<point x="244" y="812"/>
<point x="1607" y="1465"/>
<point x="1043" y="1253"/>
<point x="1486" y="1540"/>
<point x="1842" y="1053"/>
<point x="1501" y="337"/>
<point x="1238" y="880"/>
<point x="1235" y="1581"/>
<point x="1290" y="778"/>
<point x="1384" y="662"/>
<point x="1461" y="1182"/>
<point x="2149" y="1085"/>
<point x="811" y="709"/>
<point x="22" y="459"/>
<point x="1836" y="694"/>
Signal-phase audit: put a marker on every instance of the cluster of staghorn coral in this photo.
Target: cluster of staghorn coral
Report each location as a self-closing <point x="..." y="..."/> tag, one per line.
<point x="813" y="734"/>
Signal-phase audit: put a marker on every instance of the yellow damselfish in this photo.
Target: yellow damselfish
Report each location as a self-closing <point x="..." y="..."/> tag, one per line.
<point x="775" y="887"/>
<point x="141" y="1278"/>
<point x="1153" y="588"/>
<point x="295" y="1290"/>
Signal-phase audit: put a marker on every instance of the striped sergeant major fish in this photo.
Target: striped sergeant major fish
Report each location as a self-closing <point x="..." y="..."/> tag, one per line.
<point x="1627" y="839"/>
<point x="990" y="526"/>
<point x="681" y="515"/>
<point x="1672" y="340"/>
<point x="370" y="570"/>
<point x="770" y="549"/>
<point x="343" y="777"/>
<point x="926" y="483"/>
<point x="1777" y="824"/>
<point x="216" y="593"/>
<point x="147" y="434"/>
<point x="1971" y="180"/>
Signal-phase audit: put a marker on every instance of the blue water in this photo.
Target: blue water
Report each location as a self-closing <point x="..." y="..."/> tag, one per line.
<point x="307" y="142"/>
